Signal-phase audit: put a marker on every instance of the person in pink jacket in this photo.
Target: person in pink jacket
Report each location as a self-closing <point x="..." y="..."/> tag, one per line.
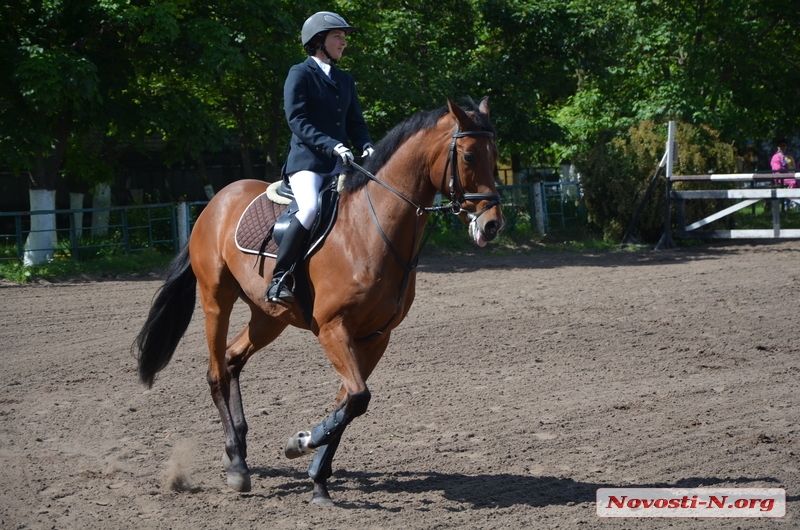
<point x="784" y="161"/>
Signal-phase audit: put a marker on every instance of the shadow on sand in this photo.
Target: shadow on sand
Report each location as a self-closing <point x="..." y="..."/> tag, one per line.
<point x="483" y="491"/>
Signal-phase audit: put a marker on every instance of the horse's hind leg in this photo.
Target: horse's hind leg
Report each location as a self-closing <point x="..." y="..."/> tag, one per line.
<point x="218" y="292"/>
<point x="260" y="331"/>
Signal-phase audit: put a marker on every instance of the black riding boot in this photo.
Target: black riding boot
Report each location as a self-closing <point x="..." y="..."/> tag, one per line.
<point x="293" y="242"/>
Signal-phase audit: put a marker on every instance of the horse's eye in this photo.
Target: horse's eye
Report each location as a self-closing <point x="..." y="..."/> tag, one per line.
<point x="469" y="158"/>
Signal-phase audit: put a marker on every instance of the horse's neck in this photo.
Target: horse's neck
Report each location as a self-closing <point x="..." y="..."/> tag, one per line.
<point x="400" y="221"/>
<point x="411" y="172"/>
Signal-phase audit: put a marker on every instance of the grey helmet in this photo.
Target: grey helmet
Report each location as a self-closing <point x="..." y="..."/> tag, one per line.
<point x="323" y="21"/>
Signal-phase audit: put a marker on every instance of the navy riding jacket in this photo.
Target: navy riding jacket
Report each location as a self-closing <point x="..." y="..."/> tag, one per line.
<point x="322" y="112"/>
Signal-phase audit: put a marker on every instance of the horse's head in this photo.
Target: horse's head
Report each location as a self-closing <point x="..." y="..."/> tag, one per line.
<point x="468" y="177"/>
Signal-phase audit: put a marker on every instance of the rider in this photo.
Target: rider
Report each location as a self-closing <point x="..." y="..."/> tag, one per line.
<point x="323" y="110"/>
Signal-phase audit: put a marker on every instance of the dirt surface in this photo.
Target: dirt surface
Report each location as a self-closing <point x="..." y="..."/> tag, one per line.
<point x="516" y="387"/>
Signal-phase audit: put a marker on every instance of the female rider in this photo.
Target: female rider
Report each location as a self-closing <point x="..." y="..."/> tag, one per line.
<point x="323" y="111"/>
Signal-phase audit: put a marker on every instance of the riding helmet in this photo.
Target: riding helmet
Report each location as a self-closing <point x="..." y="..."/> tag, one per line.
<point x="323" y="21"/>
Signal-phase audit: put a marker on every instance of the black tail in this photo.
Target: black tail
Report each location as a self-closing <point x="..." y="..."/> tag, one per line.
<point x="168" y="319"/>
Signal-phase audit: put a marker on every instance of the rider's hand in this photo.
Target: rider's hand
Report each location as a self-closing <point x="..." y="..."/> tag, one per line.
<point x="344" y="153"/>
<point x="368" y="150"/>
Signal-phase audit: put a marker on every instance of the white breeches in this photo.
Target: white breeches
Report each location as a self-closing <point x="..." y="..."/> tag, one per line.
<point x="306" y="185"/>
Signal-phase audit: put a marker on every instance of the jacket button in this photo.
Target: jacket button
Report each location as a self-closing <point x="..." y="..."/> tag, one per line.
<point x="338" y="123"/>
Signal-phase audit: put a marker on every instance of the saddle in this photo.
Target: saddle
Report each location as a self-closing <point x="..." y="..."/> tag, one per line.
<point x="264" y="221"/>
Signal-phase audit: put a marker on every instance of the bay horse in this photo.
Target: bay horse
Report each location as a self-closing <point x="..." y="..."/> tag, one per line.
<point x="362" y="277"/>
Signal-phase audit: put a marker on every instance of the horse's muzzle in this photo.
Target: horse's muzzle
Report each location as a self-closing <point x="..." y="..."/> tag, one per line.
<point x="484" y="229"/>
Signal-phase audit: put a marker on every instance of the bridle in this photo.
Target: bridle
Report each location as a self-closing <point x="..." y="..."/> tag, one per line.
<point x="456" y="202"/>
<point x="456" y="206"/>
<point x="457" y="195"/>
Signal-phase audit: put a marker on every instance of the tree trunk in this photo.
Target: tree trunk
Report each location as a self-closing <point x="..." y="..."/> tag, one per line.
<point x="76" y="203"/>
<point x="207" y="187"/>
<point x="272" y="169"/>
<point x="101" y="199"/>
<point x="137" y="193"/>
<point x="516" y="176"/>
<point x="42" y="238"/>
<point x="41" y="241"/>
<point x="247" y="164"/>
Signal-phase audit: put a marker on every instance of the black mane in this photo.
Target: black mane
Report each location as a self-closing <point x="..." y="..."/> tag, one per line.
<point x="387" y="146"/>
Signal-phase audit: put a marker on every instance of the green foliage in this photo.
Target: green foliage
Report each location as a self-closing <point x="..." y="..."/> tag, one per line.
<point x="102" y="267"/>
<point x="85" y="162"/>
<point x="57" y="77"/>
<point x="727" y="64"/>
<point x="615" y="175"/>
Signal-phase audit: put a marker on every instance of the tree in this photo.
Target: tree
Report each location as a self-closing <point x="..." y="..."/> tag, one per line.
<point x="404" y="54"/>
<point x="527" y="56"/>
<point x="245" y="91"/>
<point x="68" y="64"/>
<point x="522" y="60"/>
<point x="89" y="78"/>
<point x="730" y="65"/>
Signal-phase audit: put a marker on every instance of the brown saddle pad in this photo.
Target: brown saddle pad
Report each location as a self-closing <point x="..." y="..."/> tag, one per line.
<point x="256" y="224"/>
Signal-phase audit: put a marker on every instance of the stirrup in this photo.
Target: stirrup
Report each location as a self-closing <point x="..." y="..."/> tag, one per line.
<point x="279" y="293"/>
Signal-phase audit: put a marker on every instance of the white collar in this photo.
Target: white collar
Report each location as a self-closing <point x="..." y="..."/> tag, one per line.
<point x="325" y="66"/>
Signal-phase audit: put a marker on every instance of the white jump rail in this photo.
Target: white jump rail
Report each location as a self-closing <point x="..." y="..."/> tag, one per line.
<point x="746" y="196"/>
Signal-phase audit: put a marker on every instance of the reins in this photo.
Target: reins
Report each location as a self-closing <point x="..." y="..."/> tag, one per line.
<point x="455" y="207"/>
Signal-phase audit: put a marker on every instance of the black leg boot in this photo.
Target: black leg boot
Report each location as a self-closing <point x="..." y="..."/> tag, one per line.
<point x="294" y="241"/>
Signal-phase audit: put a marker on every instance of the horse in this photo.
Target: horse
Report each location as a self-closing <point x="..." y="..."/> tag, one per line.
<point x="362" y="278"/>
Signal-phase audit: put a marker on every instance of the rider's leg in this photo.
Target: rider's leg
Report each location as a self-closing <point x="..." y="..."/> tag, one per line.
<point x="293" y="243"/>
<point x="305" y="185"/>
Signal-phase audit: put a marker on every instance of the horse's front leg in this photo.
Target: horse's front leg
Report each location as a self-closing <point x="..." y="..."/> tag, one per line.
<point x="354" y="366"/>
<point x="235" y="447"/>
<point x="325" y="437"/>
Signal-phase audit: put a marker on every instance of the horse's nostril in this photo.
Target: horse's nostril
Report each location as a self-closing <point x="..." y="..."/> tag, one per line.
<point x="490" y="229"/>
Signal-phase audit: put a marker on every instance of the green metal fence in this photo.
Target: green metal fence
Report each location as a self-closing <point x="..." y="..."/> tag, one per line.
<point x="165" y="227"/>
<point x="123" y="230"/>
<point x="519" y="204"/>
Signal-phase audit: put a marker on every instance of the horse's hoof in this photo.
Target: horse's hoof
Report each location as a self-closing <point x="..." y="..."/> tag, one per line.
<point x="226" y="460"/>
<point x="321" y="501"/>
<point x="321" y="497"/>
<point x="239" y="482"/>
<point x="297" y="445"/>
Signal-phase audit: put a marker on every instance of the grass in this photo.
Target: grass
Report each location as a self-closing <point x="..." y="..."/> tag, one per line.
<point x="107" y="266"/>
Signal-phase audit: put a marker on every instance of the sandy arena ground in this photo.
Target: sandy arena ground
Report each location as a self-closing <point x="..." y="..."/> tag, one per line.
<point x="517" y="386"/>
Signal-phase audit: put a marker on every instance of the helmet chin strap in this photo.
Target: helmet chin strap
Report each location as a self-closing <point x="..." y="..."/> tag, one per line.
<point x="328" y="55"/>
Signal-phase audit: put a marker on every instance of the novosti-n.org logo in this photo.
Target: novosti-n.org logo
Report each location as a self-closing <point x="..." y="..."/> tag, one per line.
<point x="691" y="502"/>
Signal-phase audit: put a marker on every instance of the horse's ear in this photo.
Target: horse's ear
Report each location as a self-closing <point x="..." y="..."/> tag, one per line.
<point x="483" y="106"/>
<point x="461" y="116"/>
